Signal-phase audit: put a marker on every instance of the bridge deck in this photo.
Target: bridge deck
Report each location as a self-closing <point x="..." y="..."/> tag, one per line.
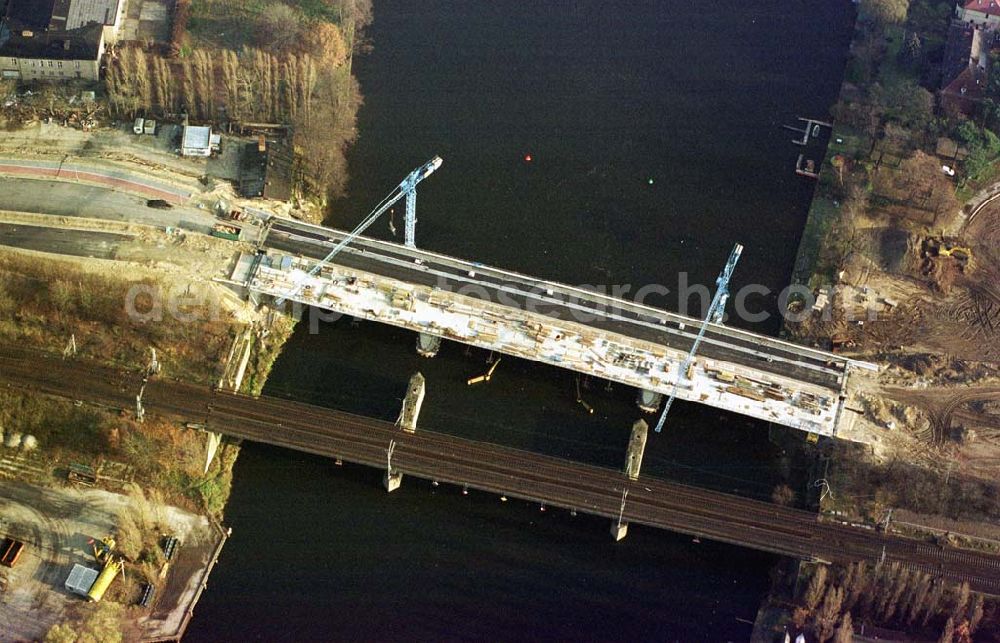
<point x="490" y="467"/>
<point x="557" y="324"/>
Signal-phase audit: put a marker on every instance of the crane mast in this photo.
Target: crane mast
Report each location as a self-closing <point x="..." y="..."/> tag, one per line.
<point x="408" y="188"/>
<point x="714" y="316"/>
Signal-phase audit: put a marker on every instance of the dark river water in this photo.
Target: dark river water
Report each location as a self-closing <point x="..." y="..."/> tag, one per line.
<point x="655" y="143"/>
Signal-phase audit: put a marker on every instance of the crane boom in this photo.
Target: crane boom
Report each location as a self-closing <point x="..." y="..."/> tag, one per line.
<point x="714" y="316"/>
<point x="408" y="188"/>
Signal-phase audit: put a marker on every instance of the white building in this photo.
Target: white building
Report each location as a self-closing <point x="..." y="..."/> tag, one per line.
<point x="982" y="13"/>
<point x="51" y="55"/>
<point x="57" y="39"/>
<point x="199" y="141"/>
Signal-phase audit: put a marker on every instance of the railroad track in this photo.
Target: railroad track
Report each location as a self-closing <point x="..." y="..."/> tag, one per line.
<point x="495" y="468"/>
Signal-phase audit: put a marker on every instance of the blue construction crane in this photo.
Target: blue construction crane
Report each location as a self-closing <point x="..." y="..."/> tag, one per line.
<point x="407" y="188"/>
<point x="714" y="316"/>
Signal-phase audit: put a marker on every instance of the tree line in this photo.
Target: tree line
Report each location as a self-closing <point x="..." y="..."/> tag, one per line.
<point x="890" y="596"/>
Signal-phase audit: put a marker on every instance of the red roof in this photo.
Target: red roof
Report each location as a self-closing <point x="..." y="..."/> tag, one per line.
<point x="989" y="7"/>
<point x="966" y="90"/>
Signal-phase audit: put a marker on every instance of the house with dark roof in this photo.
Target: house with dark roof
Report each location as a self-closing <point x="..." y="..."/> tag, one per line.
<point x="57" y="39"/>
<point x="981" y="13"/>
<point x="51" y="55"/>
<point x="965" y="67"/>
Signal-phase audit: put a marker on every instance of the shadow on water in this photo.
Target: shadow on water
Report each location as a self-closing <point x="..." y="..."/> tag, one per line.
<point x="654" y="130"/>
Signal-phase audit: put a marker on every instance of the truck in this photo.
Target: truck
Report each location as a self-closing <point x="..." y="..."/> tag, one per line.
<point x="226" y="231"/>
<point x="149" y="127"/>
<point x="10" y="550"/>
<point x="138" y="125"/>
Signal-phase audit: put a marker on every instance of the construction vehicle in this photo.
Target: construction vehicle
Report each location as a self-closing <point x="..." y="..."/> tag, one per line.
<point x="111" y="569"/>
<point x="10" y="551"/>
<point x="104" y="552"/>
<point x="103" y="548"/>
<point x="944" y="248"/>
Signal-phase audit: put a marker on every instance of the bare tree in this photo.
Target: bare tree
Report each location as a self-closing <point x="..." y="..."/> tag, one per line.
<point x="783" y="495"/>
<point x="948" y="633"/>
<point x="280" y="28"/>
<point x="902" y="582"/>
<point x="933" y="601"/>
<point x="922" y="586"/>
<point x="961" y="602"/>
<point x="886" y="11"/>
<point x="845" y="632"/>
<point x="829" y="613"/>
<point x="976" y="613"/>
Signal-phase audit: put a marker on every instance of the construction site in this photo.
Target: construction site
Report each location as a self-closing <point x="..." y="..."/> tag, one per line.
<point x="644" y="365"/>
<point x="73" y="555"/>
<point x="917" y="293"/>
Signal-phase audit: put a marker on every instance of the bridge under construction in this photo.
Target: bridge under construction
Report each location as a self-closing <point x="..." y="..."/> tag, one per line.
<point x="441" y="297"/>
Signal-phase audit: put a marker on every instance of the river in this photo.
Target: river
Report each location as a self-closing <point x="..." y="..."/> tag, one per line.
<point x="653" y="130"/>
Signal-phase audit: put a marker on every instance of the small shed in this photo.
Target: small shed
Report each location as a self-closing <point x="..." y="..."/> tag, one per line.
<point x="81" y="579"/>
<point x="198" y="141"/>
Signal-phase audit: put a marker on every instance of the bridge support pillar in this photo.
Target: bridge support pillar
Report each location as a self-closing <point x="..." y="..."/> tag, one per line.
<point x="392" y="481"/>
<point x="636" y="448"/>
<point x="619" y="530"/>
<point x="212" y="442"/>
<point x="648" y="401"/>
<point x="411" y="403"/>
<point x="428" y="345"/>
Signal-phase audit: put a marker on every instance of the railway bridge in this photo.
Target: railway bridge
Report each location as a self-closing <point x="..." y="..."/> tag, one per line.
<point x="494" y="468"/>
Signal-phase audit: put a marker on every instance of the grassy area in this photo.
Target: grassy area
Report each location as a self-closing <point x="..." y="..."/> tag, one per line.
<point x="44" y="302"/>
<point x="233" y="24"/>
<point x="264" y="353"/>
<point x="159" y="456"/>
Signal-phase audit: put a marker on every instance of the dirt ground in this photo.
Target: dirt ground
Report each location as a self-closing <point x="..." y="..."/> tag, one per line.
<point x="933" y="321"/>
<point x="147" y="20"/>
<point x="56" y="525"/>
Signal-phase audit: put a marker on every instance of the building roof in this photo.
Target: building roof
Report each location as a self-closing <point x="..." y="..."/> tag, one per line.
<point x="989" y="7"/>
<point x="196" y="137"/>
<point x="29" y="14"/>
<point x="83" y="12"/>
<point x="77" y="44"/>
<point x="966" y="90"/>
<point x="60" y="15"/>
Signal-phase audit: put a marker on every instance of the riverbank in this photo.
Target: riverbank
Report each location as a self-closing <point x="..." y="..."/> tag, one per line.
<point x="892" y="261"/>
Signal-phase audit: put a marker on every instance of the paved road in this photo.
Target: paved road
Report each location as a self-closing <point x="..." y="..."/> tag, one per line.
<point x="118" y="179"/>
<point x="494" y="468"/>
<point x="561" y="302"/>
<point x="67" y="199"/>
<point x="77" y="243"/>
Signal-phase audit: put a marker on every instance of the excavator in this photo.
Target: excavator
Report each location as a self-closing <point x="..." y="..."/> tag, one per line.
<point x="104" y="552"/>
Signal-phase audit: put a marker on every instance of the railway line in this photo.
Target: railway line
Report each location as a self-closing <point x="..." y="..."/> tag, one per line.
<point x="494" y="468"/>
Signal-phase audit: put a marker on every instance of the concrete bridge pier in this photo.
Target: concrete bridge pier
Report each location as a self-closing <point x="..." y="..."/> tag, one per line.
<point x="619" y="528"/>
<point x="412" y="403"/>
<point x="636" y="448"/>
<point x="428" y="345"/>
<point x="648" y="401"/>
<point x="392" y="481"/>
